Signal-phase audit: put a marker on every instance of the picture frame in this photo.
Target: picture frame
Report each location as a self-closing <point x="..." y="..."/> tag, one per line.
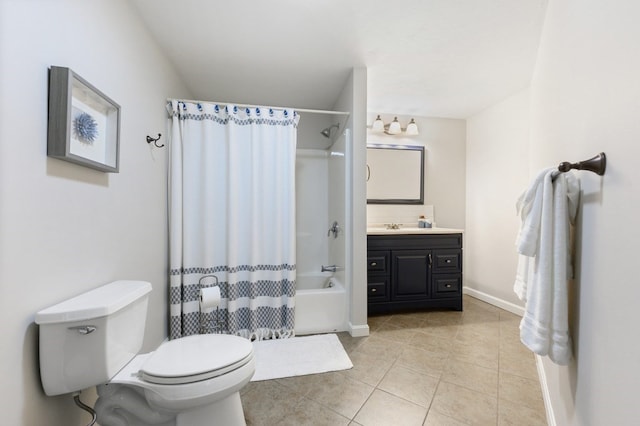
<point x="83" y="123"/>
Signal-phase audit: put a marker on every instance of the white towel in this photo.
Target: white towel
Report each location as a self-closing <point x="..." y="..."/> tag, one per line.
<point x="546" y="209"/>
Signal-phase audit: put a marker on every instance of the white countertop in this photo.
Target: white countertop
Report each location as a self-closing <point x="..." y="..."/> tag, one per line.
<point x="407" y="230"/>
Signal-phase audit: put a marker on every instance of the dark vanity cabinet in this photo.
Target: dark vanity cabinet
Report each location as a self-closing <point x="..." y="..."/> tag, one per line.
<point x="414" y="271"/>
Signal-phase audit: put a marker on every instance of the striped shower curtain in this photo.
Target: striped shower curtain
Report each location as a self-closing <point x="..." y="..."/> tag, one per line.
<point x="232" y="215"/>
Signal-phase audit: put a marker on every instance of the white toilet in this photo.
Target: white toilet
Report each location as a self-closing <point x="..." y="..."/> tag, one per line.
<point x="93" y="340"/>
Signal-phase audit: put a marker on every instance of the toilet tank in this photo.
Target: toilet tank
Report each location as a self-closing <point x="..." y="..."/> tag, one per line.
<point x="86" y="340"/>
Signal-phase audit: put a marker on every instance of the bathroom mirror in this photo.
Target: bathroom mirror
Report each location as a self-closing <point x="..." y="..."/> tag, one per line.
<point x="395" y="174"/>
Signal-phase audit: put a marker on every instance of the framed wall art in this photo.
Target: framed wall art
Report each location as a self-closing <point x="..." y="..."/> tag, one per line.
<point x="84" y="123"/>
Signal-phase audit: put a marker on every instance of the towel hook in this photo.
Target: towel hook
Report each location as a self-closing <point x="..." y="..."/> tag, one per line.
<point x="597" y="165"/>
<point x="155" y="140"/>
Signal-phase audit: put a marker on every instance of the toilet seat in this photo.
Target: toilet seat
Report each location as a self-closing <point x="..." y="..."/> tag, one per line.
<point x="195" y="358"/>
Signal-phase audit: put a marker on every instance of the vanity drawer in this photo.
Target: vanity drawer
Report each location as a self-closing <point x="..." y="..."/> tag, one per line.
<point x="447" y="261"/>
<point x="447" y="285"/>
<point x="378" y="262"/>
<point x="377" y="289"/>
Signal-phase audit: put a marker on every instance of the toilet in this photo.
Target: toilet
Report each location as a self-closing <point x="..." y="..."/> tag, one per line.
<point x="94" y="339"/>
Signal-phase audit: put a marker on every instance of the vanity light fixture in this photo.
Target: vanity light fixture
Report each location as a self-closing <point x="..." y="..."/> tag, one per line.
<point x="378" y="125"/>
<point x="394" y="128"/>
<point x="412" y="128"/>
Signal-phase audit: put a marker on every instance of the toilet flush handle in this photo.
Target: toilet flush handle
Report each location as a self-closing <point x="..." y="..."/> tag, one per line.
<point x="84" y="329"/>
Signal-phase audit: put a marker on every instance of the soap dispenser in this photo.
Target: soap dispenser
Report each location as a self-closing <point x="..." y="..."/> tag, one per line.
<point x="422" y="222"/>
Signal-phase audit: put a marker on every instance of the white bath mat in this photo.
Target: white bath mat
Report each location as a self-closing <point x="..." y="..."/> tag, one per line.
<point x="298" y="356"/>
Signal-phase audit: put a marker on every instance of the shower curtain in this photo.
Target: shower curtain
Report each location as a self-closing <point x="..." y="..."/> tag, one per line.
<point x="232" y="215"/>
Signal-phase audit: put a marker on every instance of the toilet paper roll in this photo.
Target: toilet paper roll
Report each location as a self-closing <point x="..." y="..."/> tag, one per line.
<point x="209" y="299"/>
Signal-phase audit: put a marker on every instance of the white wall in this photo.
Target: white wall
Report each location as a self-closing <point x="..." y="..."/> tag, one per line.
<point x="445" y="142"/>
<point x="65" y="228"/>
<point x="586" y="99"/>
<point x="497" y="173"/>
<point x="354" y="100"/>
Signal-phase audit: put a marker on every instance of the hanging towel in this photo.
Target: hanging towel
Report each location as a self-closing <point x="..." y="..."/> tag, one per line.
<point x="546" y="209"/>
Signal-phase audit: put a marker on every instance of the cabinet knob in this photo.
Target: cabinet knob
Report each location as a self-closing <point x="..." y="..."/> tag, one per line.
<point x="373" y="290"/>
<point x="448" y="286"/>
<point x="448" y="260"/>
<point x="374" y="263"/>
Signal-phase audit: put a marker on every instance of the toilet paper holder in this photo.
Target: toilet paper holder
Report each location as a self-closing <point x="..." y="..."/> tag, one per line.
<point x="209" y="321"/>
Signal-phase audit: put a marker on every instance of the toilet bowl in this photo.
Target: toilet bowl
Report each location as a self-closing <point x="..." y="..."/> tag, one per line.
<point x="192" y="381"/>
<point x="93" y="340"/>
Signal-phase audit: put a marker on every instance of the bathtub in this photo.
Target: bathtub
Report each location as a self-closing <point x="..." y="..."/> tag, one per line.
<point x="321" y="304"/>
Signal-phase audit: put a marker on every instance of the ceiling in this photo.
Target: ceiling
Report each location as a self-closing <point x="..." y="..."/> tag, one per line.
<point x="430" y="58"/>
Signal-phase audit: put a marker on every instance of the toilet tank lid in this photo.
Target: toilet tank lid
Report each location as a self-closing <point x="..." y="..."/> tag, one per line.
<point x="96" y="303"/>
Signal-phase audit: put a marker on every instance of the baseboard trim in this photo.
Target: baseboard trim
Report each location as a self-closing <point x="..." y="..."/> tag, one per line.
<point x="546" y="397"/>
<point x="358" y="330"/>
<point x="500" y="303"/>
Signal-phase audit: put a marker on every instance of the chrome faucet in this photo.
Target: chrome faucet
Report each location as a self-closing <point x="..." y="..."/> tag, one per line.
<point x="393" y="226"/>
<point x="329" y="268"/>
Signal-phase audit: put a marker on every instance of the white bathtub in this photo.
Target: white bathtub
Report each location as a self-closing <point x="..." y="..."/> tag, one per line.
<point x="320" y="308"/>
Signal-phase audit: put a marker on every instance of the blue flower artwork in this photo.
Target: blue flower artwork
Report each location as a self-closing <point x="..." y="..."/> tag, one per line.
<point x="85" y="128"/>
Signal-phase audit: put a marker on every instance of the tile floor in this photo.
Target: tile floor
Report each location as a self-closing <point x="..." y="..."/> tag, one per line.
<point x="427" y="368"/>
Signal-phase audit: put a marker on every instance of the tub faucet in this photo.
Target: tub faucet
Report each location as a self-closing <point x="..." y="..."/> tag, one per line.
<point x="330" y="268"/>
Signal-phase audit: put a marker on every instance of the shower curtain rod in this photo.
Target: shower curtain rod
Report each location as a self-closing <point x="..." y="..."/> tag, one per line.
<point x="315" y="111"/>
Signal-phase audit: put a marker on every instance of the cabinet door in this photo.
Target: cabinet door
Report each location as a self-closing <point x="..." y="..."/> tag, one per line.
<point x="410" y="274"/>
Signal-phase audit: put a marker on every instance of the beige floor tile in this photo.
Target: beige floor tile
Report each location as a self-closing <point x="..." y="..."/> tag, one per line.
<point x="383" y="409"/>
<point x="471" y="303"/>
<point x="394" y="333"/>
<point x="368" y="368"/>
<point x="465" y="405"/>
<point x="509" y="317"/>
<point x="520" y="390"/>
<point x="514" y="346"/>
<point x="345" y="396"/>
<point x="308" y="412"/>
<point x="482" y="354"/>
<point x="520" y="364"/>
<point x="437" y="419"/>
<point x="407" y="384"/>
<point x="268" y="403"/>
<point x="408" y="360"/>
<point x="444" y="317"/>
<point x="408" y="320"/>
<point x="376" y="321"/>
<point x="445" y="331"/>
<point x="474" y="316"/>
<point x="431" y="343"/>
<point x="482" y="333"/>
<point x="301" y="385"/>
<point x="422" y="361"/>
<point x="472" y="376"/>
<point x="512" y="414"/>
<point x="381" y="347"/>
<point x="350" y="343"/>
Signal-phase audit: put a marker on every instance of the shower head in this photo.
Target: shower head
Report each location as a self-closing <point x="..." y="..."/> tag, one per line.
<point x="327" y="132"/>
